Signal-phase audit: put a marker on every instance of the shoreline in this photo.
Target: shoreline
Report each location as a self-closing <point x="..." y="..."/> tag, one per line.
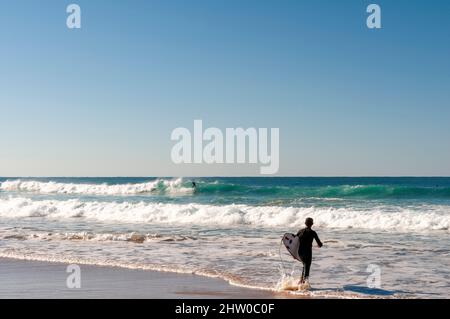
<point x="38" y="279"/>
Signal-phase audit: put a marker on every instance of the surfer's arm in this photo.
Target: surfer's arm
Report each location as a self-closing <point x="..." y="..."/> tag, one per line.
<point x="319" y="243"/>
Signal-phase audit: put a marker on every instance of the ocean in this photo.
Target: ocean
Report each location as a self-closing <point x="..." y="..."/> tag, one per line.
<point x="383" y="237"/>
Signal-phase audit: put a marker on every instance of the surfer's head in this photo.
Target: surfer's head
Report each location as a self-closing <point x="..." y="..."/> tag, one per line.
<point x="309" y="222"/>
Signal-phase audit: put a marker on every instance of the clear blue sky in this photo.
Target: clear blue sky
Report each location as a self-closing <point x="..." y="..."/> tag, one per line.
<point x="103" y="100"/>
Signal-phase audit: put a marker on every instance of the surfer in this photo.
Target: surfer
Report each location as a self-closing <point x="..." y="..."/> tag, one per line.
<point x="306" y="236"/>
<point x="194" y="186"/>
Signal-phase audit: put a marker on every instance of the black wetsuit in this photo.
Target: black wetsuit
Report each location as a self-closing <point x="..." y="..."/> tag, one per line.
<point x="307" y="235"/>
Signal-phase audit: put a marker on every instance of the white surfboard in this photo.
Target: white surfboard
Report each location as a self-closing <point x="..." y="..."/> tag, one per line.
<point x="291" y="242"/>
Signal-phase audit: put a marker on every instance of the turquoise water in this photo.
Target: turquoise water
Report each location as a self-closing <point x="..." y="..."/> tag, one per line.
<point x="231" y="227"/>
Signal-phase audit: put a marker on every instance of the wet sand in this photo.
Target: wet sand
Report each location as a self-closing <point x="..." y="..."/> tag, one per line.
<point x="35" y="279"/>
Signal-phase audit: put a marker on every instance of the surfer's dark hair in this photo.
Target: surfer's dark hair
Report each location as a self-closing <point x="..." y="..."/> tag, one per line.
<point x="309" y="222"/>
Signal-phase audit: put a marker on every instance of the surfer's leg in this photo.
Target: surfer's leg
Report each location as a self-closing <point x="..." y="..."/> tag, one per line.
<point x="303" y="274"/>
<point x="307" y="267"/>
<point x="302" y="279"/>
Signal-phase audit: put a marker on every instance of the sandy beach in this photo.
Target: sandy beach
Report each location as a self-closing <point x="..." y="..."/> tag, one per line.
<point x="34" y="279"/>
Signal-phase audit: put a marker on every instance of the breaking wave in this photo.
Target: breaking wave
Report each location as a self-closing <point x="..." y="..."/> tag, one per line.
<point x="422" y="218"/>
<point x="223" y="188"/>
<point x="174" y="186"/>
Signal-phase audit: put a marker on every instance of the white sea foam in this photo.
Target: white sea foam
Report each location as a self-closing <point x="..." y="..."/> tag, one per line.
<point x="135" y="237"/>
<point x="429" y="218"/>
<point x="174" y="186"/>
